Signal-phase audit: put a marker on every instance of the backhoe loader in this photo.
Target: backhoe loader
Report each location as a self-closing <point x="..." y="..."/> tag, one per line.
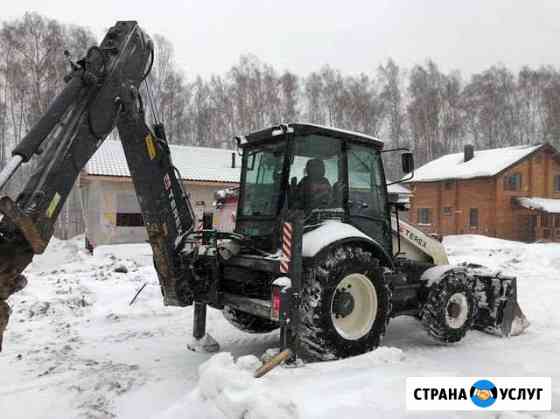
<point x="317" y="249"/>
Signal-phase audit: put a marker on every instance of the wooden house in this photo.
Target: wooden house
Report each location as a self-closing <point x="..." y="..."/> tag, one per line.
<point x="511" y="193"/>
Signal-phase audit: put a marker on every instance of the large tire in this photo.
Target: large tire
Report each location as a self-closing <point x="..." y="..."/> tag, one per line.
<point x="248" y="322"/>
<point x="331" y="326"/>
<point x="450" y="308"/>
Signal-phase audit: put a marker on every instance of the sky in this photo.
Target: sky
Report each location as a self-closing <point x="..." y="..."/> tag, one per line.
<point x="353" y="36"/>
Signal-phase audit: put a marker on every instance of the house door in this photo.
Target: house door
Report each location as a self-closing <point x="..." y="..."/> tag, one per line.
<point x="527" y="225"/>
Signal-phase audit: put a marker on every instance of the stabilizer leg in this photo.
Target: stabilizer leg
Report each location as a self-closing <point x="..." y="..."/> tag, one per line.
<point x="202" y="341"/>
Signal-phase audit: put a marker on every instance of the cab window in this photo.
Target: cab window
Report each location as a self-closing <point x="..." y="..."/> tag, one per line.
<point x="366" y="194"/>
<point x="262" y="182"/>
<point x="315" y="173"/>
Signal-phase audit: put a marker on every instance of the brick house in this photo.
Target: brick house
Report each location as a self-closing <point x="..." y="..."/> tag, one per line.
<point x="110" y="207"/>
<point x="511" y="193"/>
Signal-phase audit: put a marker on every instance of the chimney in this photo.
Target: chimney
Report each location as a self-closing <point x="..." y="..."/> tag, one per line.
<point x="233" y="160"/>
<point x="469" y="152"/>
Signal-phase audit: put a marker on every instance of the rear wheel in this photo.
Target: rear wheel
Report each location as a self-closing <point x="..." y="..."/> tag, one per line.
<point x="345" y="305"/>
<point x="450" y="308"/>
<point x="248" y="322"/>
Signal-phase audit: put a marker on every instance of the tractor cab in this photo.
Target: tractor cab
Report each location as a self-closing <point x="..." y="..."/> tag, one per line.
<point x="325" y="172"/>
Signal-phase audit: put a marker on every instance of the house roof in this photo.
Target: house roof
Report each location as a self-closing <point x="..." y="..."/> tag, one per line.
<point x="485" y="163"/>
<point x="398" y="188"/>
<point x="194" y="163"/>
<point x="540" y="204"/>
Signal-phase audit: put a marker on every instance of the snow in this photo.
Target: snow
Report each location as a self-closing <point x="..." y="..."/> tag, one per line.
<point x="399" y="189"/>
<point x="435" y="274"/>
<point x="344" y="131"/>
<point x="329" y="232"/>
<point x="283" y="282"/>
<point x="194" y="163"/>
<point x="484" y="163"/>
<point x="75" y="348"/>
<point x="540" y="204"/>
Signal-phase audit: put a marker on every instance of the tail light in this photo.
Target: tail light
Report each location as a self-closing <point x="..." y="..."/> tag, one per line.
<point x="276" y="303"/>
<point x="281" y="295"/>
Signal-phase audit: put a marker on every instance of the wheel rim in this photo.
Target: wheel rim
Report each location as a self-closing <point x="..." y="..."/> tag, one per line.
<point x="457" y="310"/>
<point x="354" y="306"/>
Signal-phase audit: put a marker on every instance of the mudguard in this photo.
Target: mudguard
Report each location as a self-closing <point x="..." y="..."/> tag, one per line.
<point x="333" y="231"/>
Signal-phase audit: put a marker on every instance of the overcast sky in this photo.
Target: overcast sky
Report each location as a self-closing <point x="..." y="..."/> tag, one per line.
<point x="354" y="36"/>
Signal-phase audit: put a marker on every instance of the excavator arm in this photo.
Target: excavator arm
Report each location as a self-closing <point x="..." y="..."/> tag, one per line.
<point x="100" y="92"/>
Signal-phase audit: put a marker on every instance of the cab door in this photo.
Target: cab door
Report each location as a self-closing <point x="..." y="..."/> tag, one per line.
<point x="367" y="194"/>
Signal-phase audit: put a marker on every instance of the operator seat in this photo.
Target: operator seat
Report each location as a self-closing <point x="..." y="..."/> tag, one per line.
<point x="314" y="190"/>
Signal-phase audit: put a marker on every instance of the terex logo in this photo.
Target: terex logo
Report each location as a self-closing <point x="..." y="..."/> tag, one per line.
<point x="469" y="393"/>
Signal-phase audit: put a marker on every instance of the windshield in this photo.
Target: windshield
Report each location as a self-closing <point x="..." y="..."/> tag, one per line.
<point x="262" y="180"/>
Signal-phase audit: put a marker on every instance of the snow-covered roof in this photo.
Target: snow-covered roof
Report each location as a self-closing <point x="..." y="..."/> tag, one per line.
<point x="485" y="163"/>
<point x="398" y="188"/>
<point x="194" y="163"/>
<point x="540" y="204"/>
<point x="345" y="131"/>
<point x="307" y="129"/>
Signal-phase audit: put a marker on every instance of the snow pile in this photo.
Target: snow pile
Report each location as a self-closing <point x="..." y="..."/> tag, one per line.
<point x="484" y="163"/>
<point x="228" y="389"/>
<point x="540" y="204"/>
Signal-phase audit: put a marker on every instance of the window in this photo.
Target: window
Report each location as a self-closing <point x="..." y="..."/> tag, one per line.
<point x="424" y="216"/>
<point x="473" y="217"/>
<point x="557" y="183"/>
<point x="513" y="182"/>
<point x="128" y="210"/>
<point x="315" y="173"/>
<point x="366" y="193"/>
<point x="262" y="180"/>
<point x="546" y="220"/>
<point x="129" y="220"/>
<point x="447" y="210"/>
<point x="546" y="233"/>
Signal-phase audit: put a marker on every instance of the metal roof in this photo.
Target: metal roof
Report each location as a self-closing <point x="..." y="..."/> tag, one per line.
<point x="194" y="163"/>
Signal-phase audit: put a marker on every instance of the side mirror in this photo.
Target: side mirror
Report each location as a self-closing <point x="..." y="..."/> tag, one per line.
<point x="395" y="201"/>
<point x="407" y="162"/>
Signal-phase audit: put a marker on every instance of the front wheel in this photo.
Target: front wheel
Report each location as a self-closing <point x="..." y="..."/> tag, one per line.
<point x="345" y="304"/>
<point x="450" y="308"/>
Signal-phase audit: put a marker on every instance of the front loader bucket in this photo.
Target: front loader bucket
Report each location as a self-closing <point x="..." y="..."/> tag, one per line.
<point x="498" y="310"/>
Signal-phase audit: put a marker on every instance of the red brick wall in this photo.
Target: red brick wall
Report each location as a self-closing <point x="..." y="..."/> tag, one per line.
<point x="458" y="197"/>
<point x="497" y="216"/>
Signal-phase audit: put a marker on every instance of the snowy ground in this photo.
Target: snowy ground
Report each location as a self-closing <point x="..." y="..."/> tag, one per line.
<point x="75" y="348"/>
